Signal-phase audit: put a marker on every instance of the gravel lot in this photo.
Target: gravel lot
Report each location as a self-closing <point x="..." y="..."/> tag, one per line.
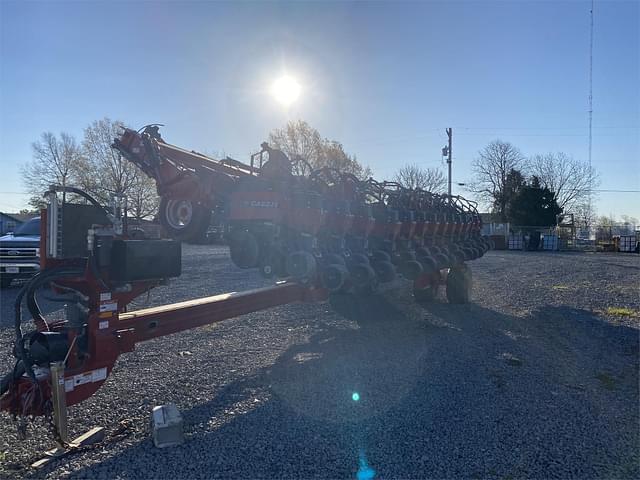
<point x="537" y="378"/>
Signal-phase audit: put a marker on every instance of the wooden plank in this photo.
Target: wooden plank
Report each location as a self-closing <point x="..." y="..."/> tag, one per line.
<point x="95" y="435"/>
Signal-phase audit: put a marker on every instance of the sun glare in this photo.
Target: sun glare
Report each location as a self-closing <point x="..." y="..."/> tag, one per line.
<point x="286" y="90"/>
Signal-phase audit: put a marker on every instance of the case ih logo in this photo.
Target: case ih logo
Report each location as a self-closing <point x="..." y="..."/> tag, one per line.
<point x="260" y="204"/>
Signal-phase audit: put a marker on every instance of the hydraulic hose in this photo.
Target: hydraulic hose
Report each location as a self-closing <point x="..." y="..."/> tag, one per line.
<point x="29" y="289"/>
<point x="6" y="380"/>
<point x="85" y="195"/>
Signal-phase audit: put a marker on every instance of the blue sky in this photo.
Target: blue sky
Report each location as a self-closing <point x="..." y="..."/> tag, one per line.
<point x="385" y="79"/>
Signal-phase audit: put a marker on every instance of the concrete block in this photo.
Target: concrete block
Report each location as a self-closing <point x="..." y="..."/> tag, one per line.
<point x="167" y="426"/>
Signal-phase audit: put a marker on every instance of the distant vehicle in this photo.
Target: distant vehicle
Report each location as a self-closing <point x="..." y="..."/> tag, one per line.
<point x="20" y="252"/>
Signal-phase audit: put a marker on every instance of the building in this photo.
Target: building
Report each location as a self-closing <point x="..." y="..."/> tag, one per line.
<point x="491" y="225"/>
<point x="10" y="221"/>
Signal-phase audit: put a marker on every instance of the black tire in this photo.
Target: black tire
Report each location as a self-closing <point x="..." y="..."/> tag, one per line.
<point x="385" y="271"/>
<point x="380" y="256"/>
<point x="406" y="256"/>
<point x="411" y="269"/>
<point x="272" y="264"/>
<point x="244" y="249"/>
<point x="334" y="277"/>
<point x="5" y="281"/>
<point x="363" y="278"/>
<point x="301" y="265"/>
<point x="333" y="259"/>
<point x="425" y="295"/>
<point x="477" y="252"/>
<point x="456" y="255"/>
<point x="469" y="254"/>
<point x="184" y="220"/>
<point x="429" y="265"/>
<point x="358" y="258"/>
<point x="442" y="261"/>
<point x="459" y="284"/>
<point x="480" y="244"/>
<point x="267" y="270"/>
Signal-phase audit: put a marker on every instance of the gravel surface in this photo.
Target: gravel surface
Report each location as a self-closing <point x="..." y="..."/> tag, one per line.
<point x="537" y="378"/>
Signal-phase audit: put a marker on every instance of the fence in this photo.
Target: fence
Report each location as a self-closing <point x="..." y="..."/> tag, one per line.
<point x="615" y="237"/>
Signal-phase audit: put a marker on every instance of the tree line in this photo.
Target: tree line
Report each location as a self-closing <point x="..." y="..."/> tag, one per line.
<point x="92" y="165"/>
<point x="511" y="185"/>
<point x="522" y="190"/>
<point x="518" y="189"/>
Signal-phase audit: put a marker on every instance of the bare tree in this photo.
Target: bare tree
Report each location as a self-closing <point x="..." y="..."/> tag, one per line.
<point x="143" y="199"/>
<point x="413" y="176"/>
<point x="56" y="160"/>
<point x="298" y="140"/>
<point x="106" y="173"/>
<point x="570" y="180"/>
<point x="584" y="215"/>
<point x="306" y="148"/>
<point x="605" y="227"/>
<point x="491" y="168"/>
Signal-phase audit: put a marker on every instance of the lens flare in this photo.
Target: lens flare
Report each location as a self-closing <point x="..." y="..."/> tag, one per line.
<point x="365" y="472"/>
<point x="355" y="396"/>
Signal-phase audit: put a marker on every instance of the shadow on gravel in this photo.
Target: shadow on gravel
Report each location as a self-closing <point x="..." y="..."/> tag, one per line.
<point x="619" y="265"/>
<point x="46" y="300"/>
<point x="458" y="391"/>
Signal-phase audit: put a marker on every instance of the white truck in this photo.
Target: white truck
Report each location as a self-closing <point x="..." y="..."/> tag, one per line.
<point x="20" y="252"/>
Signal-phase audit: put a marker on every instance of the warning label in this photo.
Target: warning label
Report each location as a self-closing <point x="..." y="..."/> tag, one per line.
<point x="87" y="377"/>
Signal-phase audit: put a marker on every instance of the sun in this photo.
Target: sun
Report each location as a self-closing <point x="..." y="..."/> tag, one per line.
<point x="286" y="90"/>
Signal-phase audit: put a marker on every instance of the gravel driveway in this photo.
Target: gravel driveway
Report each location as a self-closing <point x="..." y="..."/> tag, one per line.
<point x="537" y="378"/>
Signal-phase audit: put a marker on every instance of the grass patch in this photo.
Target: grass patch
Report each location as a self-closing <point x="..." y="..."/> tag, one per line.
<point x="511" y="359"/>
<point x="621" y="311"/>
<point x="607" y="381"/>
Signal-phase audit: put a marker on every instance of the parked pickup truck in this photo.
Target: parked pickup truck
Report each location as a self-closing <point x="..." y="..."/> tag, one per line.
<point x="20" y="252"/>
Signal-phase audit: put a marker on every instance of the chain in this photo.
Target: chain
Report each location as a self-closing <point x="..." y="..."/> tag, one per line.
<point x="21" y="427"/>
<point x="22" y="421"/>
<point x="51" y="425"/>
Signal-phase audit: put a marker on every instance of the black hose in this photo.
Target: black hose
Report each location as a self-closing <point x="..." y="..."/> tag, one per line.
<point x="93" y="266"/>
<point x="93" y="201"/>
<point x="32" y="303"/>
<point x="29" y="288"/>
<point x="6" y="380"/>
<point x="34" y="310"/>
<point x="64" y="291"/>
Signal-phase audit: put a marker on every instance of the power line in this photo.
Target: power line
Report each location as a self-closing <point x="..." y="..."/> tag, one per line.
<point x="545" y="134"/>
<point x="611" y="191"/>
<point x="632" y="127"/>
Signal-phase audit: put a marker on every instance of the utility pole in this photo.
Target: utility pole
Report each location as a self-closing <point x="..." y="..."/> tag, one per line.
<point x="590" y="98"/>
<point x="449" y="134"/>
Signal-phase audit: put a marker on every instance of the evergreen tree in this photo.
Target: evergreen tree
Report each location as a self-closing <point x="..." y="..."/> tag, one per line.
<point x="533" y="205"/>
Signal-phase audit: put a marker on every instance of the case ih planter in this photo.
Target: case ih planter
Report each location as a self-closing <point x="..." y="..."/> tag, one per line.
<point x="318" y="234"/>
<point x="328" y="226"/>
